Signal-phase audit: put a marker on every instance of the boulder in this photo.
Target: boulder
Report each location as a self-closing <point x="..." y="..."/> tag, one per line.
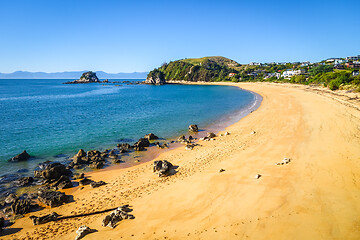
<point x="97" y="184"/>
<point x="81" y="153"/>
<point x="52" y="198"/>
<point x="162" y="167"/>
<point x="20" y="157"/>
<point x="52" y="171"/>
<point x="116" y="216"/>
<point x="151" y="136"/>
<point x="83" y="231"/>
<point x="24" y="181"/>
<point x="93" y="153"/>
<point x="79" y="176"/>
<point x="11" y="198"/>
<point x="124" y="146"/>
<point x="44" y="219"/>
<point x="96" y="165"/>
<point x="141" y="144"/>
<point x="63" y="182"/>
<point x="84" y="182"/>
<point x="211" y="135"/>
<point x="193" y="128"/>
<point x="21" y="206"/>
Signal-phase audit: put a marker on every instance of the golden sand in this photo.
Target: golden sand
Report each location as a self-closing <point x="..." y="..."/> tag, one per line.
<point x="315" y="196"/>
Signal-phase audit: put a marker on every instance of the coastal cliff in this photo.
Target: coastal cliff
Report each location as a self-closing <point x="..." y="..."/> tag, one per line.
<point x="207" y="69"/>
<point x="87" y="77"/>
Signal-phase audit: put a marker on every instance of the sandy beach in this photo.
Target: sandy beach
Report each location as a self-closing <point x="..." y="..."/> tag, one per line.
<point x="315" y="196"/>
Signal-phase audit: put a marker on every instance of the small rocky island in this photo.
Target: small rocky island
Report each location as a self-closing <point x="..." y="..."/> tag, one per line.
<point x="87" y="77"/>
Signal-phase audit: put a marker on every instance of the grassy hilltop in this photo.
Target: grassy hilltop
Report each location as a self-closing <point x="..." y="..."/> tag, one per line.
<point x="217" y="68"/>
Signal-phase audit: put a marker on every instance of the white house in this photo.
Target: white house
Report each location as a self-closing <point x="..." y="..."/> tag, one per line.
<point x="289" y="73"/>
<point x="254" y="64"/>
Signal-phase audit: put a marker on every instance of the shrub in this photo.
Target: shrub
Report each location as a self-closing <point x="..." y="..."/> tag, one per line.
<point x="335" y="84"/>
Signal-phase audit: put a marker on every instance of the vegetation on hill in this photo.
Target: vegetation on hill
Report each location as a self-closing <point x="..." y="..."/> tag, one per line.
<point x="213" y="69"/>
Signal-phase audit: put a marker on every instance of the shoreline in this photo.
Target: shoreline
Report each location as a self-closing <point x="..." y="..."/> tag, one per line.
<point x="192" y="198"/>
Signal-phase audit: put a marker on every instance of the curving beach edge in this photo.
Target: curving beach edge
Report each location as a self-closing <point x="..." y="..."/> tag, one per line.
<point x="314" y="194"/>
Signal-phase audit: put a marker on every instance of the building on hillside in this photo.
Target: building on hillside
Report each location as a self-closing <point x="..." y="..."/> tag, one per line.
<point x="353" y="58"/>
<point x="269" y="75"/>
<point x="339" y="61"/>
<point x="305" y="64"/>
<point x="289" y="73"/>
<point x="254" y="64"/>
<point x="353" y="64"/>
<point x="231" y="74"/>
<point x="338" y="66"/>
<point x="355" y="73"/>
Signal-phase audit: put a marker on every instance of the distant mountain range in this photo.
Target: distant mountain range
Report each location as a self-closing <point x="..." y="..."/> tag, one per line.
<point x="71" y="75"/>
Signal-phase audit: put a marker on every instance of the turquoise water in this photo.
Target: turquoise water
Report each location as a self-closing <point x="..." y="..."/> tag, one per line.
<point x="50" y="119"/>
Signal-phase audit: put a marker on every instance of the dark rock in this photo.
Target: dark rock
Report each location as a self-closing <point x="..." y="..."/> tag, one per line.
<point x="83" y="231"/>
<point x="21" y="206"/>
<point x="151" y="136"/>
<point x="193" y="128"/>
<point x="124" y="146"/>
<point x="25" y="181"/>
<point x="182" y="138"/>
<point x="96" y="165"/>
<point x="2" y="223"/>
<point x="44" y="219"/>
<point x="81" y="153"/>
<point x="87" y="77"/>
<point x="116" y="216"/>
<point x="52" y="198"/>
<point x="93" y="153"/>
<point x="62" y="183"/>
<point x="222" y="170"/>
<point x="97" y="184"/>
<point x="211" y="135"/>
<point x="141" y="144"/>
<point x="79" y="176"/>
<point x="11" y="198"/>
<point x="84" y="182"/>
<point x="190" y="138"/>
<point x="52" y="171"/>
<point x="20" y="157"/>
<point x="162" y="167"/>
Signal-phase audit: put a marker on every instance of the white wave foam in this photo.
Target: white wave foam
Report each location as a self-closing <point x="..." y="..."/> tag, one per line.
<point x="99" y="91"/>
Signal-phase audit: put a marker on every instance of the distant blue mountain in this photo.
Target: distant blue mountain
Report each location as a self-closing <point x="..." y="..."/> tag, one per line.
<point x="71" y="75"/>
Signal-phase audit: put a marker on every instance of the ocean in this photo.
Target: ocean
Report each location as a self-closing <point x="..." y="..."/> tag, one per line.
<point x="52" y="121"/>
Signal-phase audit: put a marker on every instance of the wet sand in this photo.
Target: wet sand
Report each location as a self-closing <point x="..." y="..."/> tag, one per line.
<point x="315" y="196"/>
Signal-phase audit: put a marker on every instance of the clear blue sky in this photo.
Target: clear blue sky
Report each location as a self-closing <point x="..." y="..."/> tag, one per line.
<point x="128" y="36"/>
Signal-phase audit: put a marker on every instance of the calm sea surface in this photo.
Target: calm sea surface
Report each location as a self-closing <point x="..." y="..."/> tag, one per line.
<point x="52" y="120"/>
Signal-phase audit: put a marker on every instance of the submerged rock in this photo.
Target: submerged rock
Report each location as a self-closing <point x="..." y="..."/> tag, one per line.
<point x="20" y="157"/>
<point x="193" y="128"/>
<point x="24" y="181"/>
<point x="83" y="231"/>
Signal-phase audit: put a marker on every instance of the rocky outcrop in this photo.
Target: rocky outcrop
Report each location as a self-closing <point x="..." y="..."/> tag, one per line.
<point x="151" y="136"/>
<point x="44" y="219"/>
<point x="20" y="157"/>
<point x="87" y="77"/>
<point x="141" y="144"/>
<point x="116" y="216"/>
<point x="193" y="128"/>
<point x="52" y="198"/>
<point x="63" y="182"/>
<point x="52" y="171"/>
<point x="162" y="167"/>
<point x="21" y="206"/>
<point x="24" y="181"/>
<point x="155" y="77"/>
<point x="83" y="231"/>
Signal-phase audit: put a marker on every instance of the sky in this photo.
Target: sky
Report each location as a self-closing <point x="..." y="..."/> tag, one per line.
<point x="135" y="36"/>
